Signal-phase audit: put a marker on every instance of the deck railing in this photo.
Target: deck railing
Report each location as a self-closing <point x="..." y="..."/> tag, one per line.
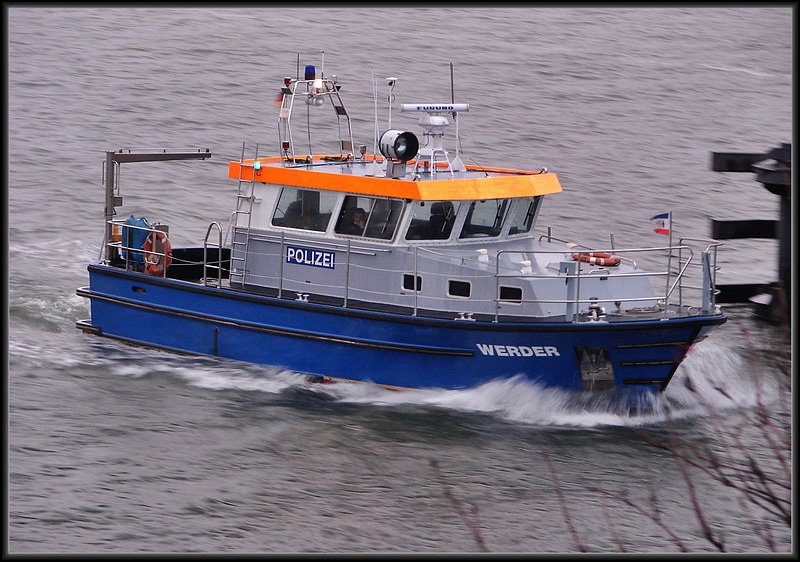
<point x="679" y="282"/>
<point x="116" y="248"/>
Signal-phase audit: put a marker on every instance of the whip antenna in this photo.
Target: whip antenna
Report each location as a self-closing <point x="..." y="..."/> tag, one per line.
<point x="374" y="168"/>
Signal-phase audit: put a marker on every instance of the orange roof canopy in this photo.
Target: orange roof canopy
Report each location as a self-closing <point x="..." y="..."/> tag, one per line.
<point x="500" y="184"/>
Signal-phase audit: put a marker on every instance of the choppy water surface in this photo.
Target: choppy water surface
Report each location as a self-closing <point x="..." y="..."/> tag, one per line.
<point x="117" y="449"/>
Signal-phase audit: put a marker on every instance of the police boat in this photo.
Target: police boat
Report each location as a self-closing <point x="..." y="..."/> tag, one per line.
<point x="403" y="267"/>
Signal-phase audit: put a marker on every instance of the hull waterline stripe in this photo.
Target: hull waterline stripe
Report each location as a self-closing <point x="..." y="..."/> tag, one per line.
<point x="83" y="325"/>
<point x="643" y="345"/>
<point x="279" y="331"/>
<point x="655" y="363"/>
<point x="643" y="381"/>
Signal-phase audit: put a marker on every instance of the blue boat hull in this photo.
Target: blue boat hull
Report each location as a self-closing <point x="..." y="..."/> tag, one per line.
<point x="388" y="349"/>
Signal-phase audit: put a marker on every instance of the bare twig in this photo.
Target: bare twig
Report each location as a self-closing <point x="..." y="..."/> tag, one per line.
<point x="749" y="468"/>
<point x="701" y="519"/>
<point x="470" y="520"/>
<point x="652" y="516"/>
<point x="562" y="502"/>
<point x="761" y="529"/>
<point x="612" y="529"/>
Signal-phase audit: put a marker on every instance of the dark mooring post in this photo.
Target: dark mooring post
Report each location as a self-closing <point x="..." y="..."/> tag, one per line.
<point x="774" y="171"/>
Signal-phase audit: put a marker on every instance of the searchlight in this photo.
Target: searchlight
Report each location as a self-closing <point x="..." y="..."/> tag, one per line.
<point x="399" y="145"/>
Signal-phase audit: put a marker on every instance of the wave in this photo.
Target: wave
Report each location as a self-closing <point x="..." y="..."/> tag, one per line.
<point x="711" y="380"/>
<point x="744" y="70"/>
<point x="54" y="312"/>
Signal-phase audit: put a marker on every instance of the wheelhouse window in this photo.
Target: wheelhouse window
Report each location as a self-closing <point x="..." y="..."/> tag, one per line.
<point x="307" y="209"/>
<point x="370" y="217"/>
<point x="458" y="288"/>
<point x="484" y="218"/>
<point x="524" y="215"/>
<point x="383" y="219"/>
<point x="432" y="220"/>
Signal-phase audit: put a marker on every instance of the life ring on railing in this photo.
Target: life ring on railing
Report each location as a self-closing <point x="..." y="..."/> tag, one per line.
<point x="157" y="253"/>
<point x="597" y="258"/>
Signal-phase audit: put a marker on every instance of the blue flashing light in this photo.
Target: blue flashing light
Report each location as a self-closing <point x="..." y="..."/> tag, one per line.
<point x="311" y="72"/>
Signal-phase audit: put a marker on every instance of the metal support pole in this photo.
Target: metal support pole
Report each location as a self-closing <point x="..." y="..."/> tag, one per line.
<point x="347" y="275"/>
<point x="569" y="269"/>
<point x="109" y="205"/>
<point x="280" y="271"/>
<point x="416" y="289"/>
<point x="708" y="285"/>
<point x="669" y="264"/>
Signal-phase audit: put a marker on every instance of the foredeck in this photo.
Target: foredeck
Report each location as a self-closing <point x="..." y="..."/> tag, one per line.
<point x="362" y="176"/>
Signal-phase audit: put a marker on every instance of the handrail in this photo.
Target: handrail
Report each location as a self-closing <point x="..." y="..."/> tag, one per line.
<point x="679" y="278"/>
<point x="219" y="254"/>
<point x="578" y="300"/>
<point x="502" y="271"/>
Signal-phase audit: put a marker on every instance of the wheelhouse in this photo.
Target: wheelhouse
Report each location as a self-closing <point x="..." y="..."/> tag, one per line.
<point x="392" y="220"/>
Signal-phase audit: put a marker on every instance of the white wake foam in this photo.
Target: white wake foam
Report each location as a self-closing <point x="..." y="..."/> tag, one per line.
<point x="712" y="379"/>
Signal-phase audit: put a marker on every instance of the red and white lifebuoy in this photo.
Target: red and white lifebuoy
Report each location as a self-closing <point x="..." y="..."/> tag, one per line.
<point x="597" y="258"/>
<point x="157" y="253"/>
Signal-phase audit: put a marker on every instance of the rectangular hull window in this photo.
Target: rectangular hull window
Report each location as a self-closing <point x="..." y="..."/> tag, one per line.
<point x="511" y="294"/>
<point x="408" y="283"/>
<point x="458" y="289"/>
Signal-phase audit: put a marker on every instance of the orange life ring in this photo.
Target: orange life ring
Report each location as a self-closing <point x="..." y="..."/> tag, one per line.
<point x="597" y="258"/>
<point x="156" y="263"/>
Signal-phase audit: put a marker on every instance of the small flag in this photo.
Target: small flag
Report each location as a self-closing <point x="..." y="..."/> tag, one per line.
<point x="278" y="100"/>
<point x="662" y="223"/>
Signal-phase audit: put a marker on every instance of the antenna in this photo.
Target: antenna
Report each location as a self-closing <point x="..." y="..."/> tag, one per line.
<point x="375" y="99"/>
<point x="374" y="167"/>
<point x="391" y="81"/>
<point x="457" y="164"/>
<point x="452" y="90"/>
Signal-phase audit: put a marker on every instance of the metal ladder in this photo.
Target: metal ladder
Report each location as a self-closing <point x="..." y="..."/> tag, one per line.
<point x="346" y="145"/>
<point x="243" y="201"/>
<point x="331" y="91"/>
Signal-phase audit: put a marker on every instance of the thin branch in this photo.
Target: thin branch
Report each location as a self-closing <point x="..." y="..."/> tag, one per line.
<point x="562" y="502"/>
<point x="687" y="477"/>
<point x="761" y="529"/>
<point x="697" y="508"/>
<point x="468" y="520"/>
<point x="752" y="464"/>
<point x="653" y="517"/>
<point x="612" y="529"/>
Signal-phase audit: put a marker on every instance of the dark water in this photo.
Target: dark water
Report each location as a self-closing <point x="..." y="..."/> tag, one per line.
<point x="116" y="449"/>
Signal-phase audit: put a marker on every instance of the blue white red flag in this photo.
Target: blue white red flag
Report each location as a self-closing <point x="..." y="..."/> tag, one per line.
<point x="662" y="223"/>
